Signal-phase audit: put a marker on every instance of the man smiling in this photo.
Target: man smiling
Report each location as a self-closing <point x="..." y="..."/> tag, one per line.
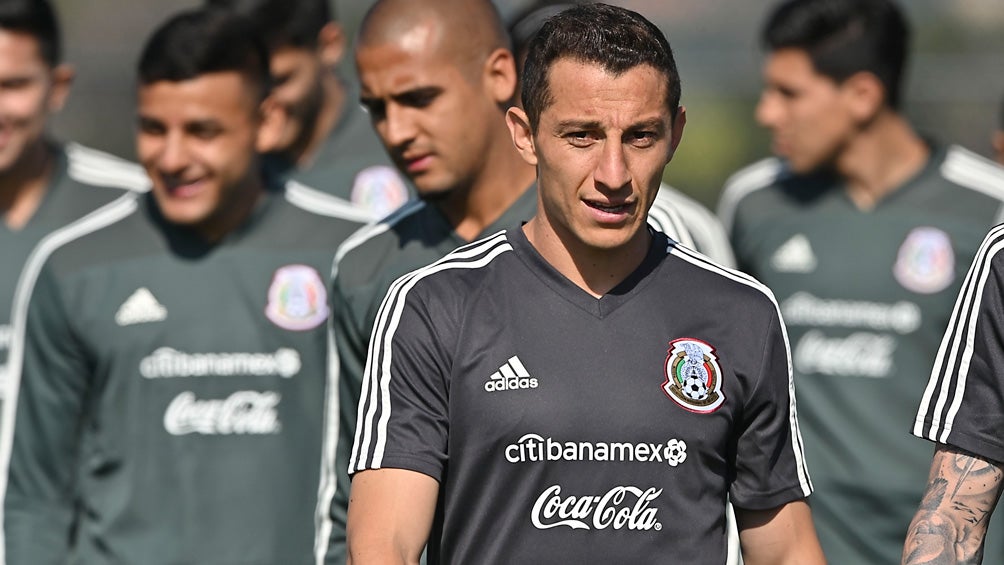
<point x="44" y="184"/>
<point x="170" y="352"/>
<point x="583" y="328"/>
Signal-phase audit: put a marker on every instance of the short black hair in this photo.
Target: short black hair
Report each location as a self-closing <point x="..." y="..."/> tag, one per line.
<point x="844" y="37"/>
<point x="37" y="19"/>
<point x="525" y="24"/>
<point x="615" y="38"/>
<point x="283" y="23"/>
<point x="203" y="41"/>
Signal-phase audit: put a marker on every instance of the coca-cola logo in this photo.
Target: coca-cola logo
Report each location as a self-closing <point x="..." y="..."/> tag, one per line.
<point x="621" y="508"/>
<point x="243" y="412"/>
<point x="861" y="354"/>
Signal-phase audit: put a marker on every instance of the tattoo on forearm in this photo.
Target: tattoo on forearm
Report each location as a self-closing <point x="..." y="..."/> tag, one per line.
<point x="952" y="519"/>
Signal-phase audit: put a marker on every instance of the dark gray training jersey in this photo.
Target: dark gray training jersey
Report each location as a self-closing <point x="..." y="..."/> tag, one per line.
<point x="568" y="429"/>
<point x="351" y="164"/>
<point x="83" y="180"/>
<point x="370" y="261"/>
<point x="963" y="404"/>
<point x="170" y="392"/>
<point x="866" y="296"/>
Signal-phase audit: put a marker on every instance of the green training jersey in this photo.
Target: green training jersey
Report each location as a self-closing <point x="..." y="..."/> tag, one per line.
<point x="170" y="392"/>
<point x="82" y="180"/>
<point x="351" y="164"/>
<point x="866" y="296"/>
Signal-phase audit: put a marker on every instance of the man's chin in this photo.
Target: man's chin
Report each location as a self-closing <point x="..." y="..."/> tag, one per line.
<point x="435" y="194"/>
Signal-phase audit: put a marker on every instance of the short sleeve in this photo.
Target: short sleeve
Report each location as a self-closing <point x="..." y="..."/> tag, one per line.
<point x="963" y="404"/>
<point x="403" y="412"/>
<point x="770" y="465"/>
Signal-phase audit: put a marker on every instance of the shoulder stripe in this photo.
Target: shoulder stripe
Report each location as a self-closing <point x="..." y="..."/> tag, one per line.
<point x="706" y="230"/>
<point x="328" y="484"/>
<point x="369" y="231"/>
<point x="754" y="177"/>
<point x="968" y="169"/>
<point x="317" y="202"/>
<point x="374" y="404"/>
<point x="955" y="353"/>
<point x="105" y="216"/>
<point x="699" y="260"/>
<point x="90" y="166"/>
<point x="664" y="217"/>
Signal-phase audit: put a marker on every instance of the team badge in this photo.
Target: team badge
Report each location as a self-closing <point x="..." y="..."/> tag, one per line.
<point x="693" y="376"/>
<point x="297" y="299"/>
<point x="379" y="189"/>
<point x="925" y="263"/>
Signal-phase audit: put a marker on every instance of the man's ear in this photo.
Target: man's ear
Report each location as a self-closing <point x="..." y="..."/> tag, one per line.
<point x="62" y="79"/>
<point x="677" y="134"/>
<point x="864" y="95"/>
<point x="522" y="134"/>
<point x="331" y="44"/>
<point x="499" y="75"/>
<point x="273" y="123"/>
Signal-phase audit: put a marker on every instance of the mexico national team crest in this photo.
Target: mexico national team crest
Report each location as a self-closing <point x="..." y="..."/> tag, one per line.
<point x="297" y="298"/>
<point x="379" y="189"/>
<point x="693" y="376"/>
<point x="925" y="263"/>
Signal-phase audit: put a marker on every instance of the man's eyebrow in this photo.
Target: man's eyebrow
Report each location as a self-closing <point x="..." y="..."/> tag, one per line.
<point x="577" y="124"/>
<point x="651" y="123"/>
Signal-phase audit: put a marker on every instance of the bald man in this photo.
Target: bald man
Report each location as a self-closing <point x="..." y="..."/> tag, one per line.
<point x="436" y="77"/>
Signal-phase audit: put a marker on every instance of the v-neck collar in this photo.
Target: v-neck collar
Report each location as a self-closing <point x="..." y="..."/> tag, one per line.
<point x="603" y="306"/>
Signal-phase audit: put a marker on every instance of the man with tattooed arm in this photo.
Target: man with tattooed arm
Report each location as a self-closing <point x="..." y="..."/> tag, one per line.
<point x="963" y="411"/>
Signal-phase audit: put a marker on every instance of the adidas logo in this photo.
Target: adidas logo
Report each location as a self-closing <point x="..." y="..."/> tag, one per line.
<point x="140" y="308"/>
<point x="511" y="376"/>
<point x="795" y="256"/>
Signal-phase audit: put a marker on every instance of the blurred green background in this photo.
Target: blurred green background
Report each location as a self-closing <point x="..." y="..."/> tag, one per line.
<point x="954" y="88"/>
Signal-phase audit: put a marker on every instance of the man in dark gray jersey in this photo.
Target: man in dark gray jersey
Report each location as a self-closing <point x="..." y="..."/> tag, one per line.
<point x="328" y="143"/>
<point x="581" y="389"/>
<point x="863" y="230"/>
<point x="436" y="77"/>
<point x="44" y="184"/>
<point x="171" y="350"/>
<point x="962" y="410"/>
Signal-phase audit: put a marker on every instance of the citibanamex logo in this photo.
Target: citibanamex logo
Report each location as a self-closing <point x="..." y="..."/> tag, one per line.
<point x="243" y="412"/>
<point x="621" y="508"/>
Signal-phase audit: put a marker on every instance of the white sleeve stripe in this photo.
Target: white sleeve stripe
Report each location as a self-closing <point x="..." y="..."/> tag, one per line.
<point x="100" y="218"/>
<point x="373" y="363"/>
<point x="663" y="217"/>
<point x="90" y="166"/>
<point x="318" y="202"/>
<point x="796" y="434"/>
<point x="964" y="308"/>
<point x="369" y="231"/>
<point x="705" y="229"/>
<point x="754" y="177"/>
<point x="958" y="338"/>
<point x="947" y="344"/>
<point x="978" y="177"/>
<point x="376" y="376"/>
<point x="370" y="384"/>
<point x="329" y="446"/>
